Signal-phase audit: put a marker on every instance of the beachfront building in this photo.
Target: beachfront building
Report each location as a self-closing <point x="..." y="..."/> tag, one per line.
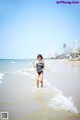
<point x="66" y="50"/>
<point x="72" y="49"/>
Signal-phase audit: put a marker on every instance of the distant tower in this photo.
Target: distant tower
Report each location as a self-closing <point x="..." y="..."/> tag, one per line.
<point x="64" y="48"/>
<point x="53" y="52"/>
<point x="75" y="46"/>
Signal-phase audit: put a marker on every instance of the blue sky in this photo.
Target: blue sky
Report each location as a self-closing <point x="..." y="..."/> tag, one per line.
<point x="29" y="27"/>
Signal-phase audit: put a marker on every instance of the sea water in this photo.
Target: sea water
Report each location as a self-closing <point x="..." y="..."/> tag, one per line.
<point x="21" y="98"/>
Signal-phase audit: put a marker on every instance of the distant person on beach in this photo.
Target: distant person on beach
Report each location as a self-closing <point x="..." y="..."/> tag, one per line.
<point x="39" y="65"/>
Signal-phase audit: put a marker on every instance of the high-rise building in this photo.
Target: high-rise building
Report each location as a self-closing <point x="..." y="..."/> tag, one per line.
<point x="75" y="46"/>
<point x="64" y="48"/>
<point x="64" y="45"/>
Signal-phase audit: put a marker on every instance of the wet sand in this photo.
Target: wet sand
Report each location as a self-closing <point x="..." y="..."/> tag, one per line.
<point x="20" y="97"/>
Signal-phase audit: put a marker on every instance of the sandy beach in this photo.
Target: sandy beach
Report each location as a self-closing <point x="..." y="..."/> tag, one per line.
<point x="75" y="62"/>
<point x="57" y="100"/>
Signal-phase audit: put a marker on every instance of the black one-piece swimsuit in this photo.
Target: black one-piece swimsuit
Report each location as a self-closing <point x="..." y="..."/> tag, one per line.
<point x="39" y="67"/>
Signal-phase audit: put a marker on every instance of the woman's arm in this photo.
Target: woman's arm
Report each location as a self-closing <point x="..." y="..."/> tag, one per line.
<point x="44" y="64"/>
<point x="34" y="65"/>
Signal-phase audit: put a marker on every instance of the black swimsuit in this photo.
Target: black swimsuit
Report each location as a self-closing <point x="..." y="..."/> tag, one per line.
<point x="39" y="67"/>
<point x="40" y="72"/>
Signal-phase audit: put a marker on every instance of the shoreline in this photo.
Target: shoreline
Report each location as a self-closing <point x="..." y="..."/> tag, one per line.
<point x="74" y="62"/>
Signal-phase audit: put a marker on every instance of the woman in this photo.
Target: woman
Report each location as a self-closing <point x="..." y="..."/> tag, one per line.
<point x="39" y="65"/>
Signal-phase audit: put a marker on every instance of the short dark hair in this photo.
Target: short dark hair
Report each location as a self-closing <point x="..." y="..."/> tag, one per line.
<point x="40" y="56"/>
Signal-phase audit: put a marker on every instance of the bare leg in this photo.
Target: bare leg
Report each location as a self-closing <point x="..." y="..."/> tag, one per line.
<point x="37" y="80"/>
<point x="41" y="79"/>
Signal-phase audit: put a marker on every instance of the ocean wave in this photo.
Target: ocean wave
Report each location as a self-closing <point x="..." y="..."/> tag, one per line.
<point x="58" y="101"/>
<point x="24" y="73"/>
<point x="18" y="71"/>
<point x="12" y="62"/>
<point x="0" y="81"/>
<point x="1" y="75"/>
<point x="31" y="69"/>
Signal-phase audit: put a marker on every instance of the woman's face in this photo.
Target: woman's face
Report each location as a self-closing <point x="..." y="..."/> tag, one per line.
<point x="39" y="59"/>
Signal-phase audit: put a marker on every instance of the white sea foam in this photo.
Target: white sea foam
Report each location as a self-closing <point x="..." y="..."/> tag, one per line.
<point x="58" y="101"/>
<point x="47" y="84"/>
<point x="18" y="71"/>
<point x="0" y="81"/>
<point x="12" y="62"/>
<point x="25" y="70"/>
<point x="31" y="69"/>
<point x="26" y="73"/>
<point x="61" y="102"/>
<point x="1" y="75"/>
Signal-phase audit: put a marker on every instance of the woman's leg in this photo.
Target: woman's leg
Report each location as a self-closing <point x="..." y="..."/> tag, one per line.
<point x="41" y="79"/>
<point x="37" y="80"/>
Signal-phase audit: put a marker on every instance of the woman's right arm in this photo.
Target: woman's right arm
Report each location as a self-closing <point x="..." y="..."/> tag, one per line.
<point x="34" y="65"/>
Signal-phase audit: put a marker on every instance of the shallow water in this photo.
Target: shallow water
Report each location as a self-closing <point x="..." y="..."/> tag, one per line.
<point x="57" y="100"/>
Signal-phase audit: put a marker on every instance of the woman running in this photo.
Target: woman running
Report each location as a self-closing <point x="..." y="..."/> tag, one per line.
<point x="39" y="65"/>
